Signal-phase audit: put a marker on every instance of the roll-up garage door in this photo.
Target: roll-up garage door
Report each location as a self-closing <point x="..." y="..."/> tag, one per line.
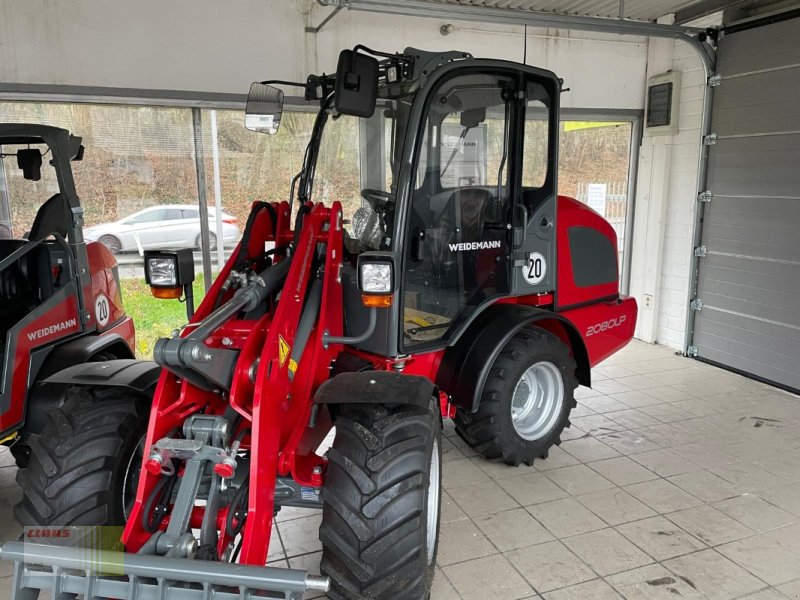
<point x="749" y="280"/>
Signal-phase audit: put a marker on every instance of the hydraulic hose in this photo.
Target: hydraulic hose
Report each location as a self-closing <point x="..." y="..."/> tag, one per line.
<point x="306" y="324"/>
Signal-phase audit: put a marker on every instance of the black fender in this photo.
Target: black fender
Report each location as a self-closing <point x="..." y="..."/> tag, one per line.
<point x="139" y="376"/>
<point x="466" y="364"/>
<point x="78" y="351"/>
<point x="376" y="387"/>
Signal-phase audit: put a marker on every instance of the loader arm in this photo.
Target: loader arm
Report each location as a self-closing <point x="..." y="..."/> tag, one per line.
<point x="269" y="401"/>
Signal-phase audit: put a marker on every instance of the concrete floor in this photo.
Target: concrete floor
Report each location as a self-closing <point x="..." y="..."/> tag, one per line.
<point x="676" y="479"/>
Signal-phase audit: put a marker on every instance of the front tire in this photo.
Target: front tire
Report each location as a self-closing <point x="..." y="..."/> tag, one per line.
<point x="83" y="465"/>
<point x="381" y="502"/>
<point x="525" y="402"/>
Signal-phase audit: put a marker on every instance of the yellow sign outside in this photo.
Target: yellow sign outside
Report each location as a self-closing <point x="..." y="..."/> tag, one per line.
<point x="283" y="350"/>
<point x="579" y="125"/>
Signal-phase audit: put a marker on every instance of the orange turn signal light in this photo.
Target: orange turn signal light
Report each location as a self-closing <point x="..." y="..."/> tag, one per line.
<point x="376" y="301"/>
<point x="172" y="293"/>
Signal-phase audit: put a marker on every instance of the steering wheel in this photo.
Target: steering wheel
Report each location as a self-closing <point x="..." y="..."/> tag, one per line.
<point x="378" y="199"/>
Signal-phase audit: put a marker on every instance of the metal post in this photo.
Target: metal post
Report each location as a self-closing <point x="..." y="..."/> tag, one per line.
<point x="699" y="215"/>
<point x="630" y="211"/>
<point x="199" y="162"/>
<point x="5" y="208"/>
<point x="217" y="191"/>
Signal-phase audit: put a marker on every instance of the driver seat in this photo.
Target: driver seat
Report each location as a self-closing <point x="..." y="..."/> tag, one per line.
<point x="52" y="217"/>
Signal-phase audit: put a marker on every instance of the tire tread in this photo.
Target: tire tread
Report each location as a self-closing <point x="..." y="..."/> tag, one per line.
<point x="483" y="430"/>
<point x="371" y="539"/>
<point x="70" y="477"/>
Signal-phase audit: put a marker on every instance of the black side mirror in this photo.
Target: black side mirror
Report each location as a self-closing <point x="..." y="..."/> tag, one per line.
<point x="356" y="84"/>
<point x="30" y="161"/>
<point x="264" y="109"/>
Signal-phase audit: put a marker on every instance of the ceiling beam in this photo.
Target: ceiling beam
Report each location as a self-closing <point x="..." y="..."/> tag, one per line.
<point x="703" y="9"/>
<point x="518" y="17"/>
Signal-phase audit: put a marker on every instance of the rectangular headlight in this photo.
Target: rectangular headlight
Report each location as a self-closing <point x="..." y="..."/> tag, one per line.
<point x="168" y="268"/>
<point x="162" y="271"/>
<point x="376" y="277"/>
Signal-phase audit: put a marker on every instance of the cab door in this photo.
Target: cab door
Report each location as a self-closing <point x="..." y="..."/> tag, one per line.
<point x="534" y="243"/>
<point x="458" y="250"/>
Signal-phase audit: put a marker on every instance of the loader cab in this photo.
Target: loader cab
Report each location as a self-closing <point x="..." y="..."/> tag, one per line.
<point x="35" y="261"/>
<point x="457" y="184"/>
<point x="482" y="170"/>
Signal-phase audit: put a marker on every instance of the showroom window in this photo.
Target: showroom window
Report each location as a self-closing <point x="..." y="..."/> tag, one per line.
<point x="138" y="184"/>
<point x="138" y="181"/>
<point x="594" y="167"/>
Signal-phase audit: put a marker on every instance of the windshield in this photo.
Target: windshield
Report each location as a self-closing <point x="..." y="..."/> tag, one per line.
<point x="358" y="164"/>
<point x="21" y="198"/>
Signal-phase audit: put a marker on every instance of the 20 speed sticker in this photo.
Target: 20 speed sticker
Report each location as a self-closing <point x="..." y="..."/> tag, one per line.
<point x="102" y="310"/>
<point x="535" y="268"/>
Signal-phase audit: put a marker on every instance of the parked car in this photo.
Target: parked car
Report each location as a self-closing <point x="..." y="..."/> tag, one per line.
<point x="165" y="226"/>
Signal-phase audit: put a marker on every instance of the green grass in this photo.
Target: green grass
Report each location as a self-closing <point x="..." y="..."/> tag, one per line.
<point x="154" y="318"/>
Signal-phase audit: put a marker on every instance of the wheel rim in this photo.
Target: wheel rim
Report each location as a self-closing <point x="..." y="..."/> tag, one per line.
<point x="537" y="401"/>
<point x="434" y="487"/>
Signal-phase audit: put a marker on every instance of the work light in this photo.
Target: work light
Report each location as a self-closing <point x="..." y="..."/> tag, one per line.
<point x="162" y="271"/>
<point x="169" y="273"/>
<point x="376" y="279"/>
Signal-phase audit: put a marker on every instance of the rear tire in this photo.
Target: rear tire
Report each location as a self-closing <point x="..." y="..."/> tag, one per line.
<point x="381" y="501"/>
<point x="79" y="472"/>
<point x="503" y="427"/>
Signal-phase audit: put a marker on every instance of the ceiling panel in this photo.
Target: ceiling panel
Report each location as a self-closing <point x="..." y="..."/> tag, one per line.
<point x="640" y="10"/>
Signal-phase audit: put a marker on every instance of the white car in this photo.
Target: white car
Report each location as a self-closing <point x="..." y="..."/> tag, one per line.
<point x="164" y="226"/>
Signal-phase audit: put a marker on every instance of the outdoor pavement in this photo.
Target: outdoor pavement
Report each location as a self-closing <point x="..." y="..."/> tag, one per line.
<point x="676" y="480"/>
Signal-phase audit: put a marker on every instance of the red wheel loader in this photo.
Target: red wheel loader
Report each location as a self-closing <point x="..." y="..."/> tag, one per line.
<point x="60" y="305"/>
<point x="459" y="286"/>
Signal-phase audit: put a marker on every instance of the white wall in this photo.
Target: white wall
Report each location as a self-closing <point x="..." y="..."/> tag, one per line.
<point x="188" y="45"/>
<point x="212" y="46"/>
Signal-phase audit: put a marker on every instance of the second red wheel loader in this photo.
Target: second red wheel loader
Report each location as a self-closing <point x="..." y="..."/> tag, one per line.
<point x="461" y="285"/>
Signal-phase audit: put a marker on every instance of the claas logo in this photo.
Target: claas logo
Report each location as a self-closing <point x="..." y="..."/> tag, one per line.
<point x="48" y="532"/>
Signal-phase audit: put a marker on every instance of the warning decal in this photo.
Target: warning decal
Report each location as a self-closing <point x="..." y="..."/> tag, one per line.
<point x="283" y="350"/>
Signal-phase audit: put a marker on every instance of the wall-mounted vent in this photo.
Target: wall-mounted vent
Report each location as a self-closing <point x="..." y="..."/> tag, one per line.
<point x="663" y="102"/>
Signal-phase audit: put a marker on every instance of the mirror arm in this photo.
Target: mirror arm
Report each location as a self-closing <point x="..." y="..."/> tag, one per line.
<point x="282" y="82"/>
<point x="328" y="339"/>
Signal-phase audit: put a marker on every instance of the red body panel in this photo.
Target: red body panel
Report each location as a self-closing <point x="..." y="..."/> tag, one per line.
<point x="102" y="265"/>
<point x="605" y="327"/>
<point x="60" y="321"/>
<point x="56" y="321"/>
<point x="572" y="213"/>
